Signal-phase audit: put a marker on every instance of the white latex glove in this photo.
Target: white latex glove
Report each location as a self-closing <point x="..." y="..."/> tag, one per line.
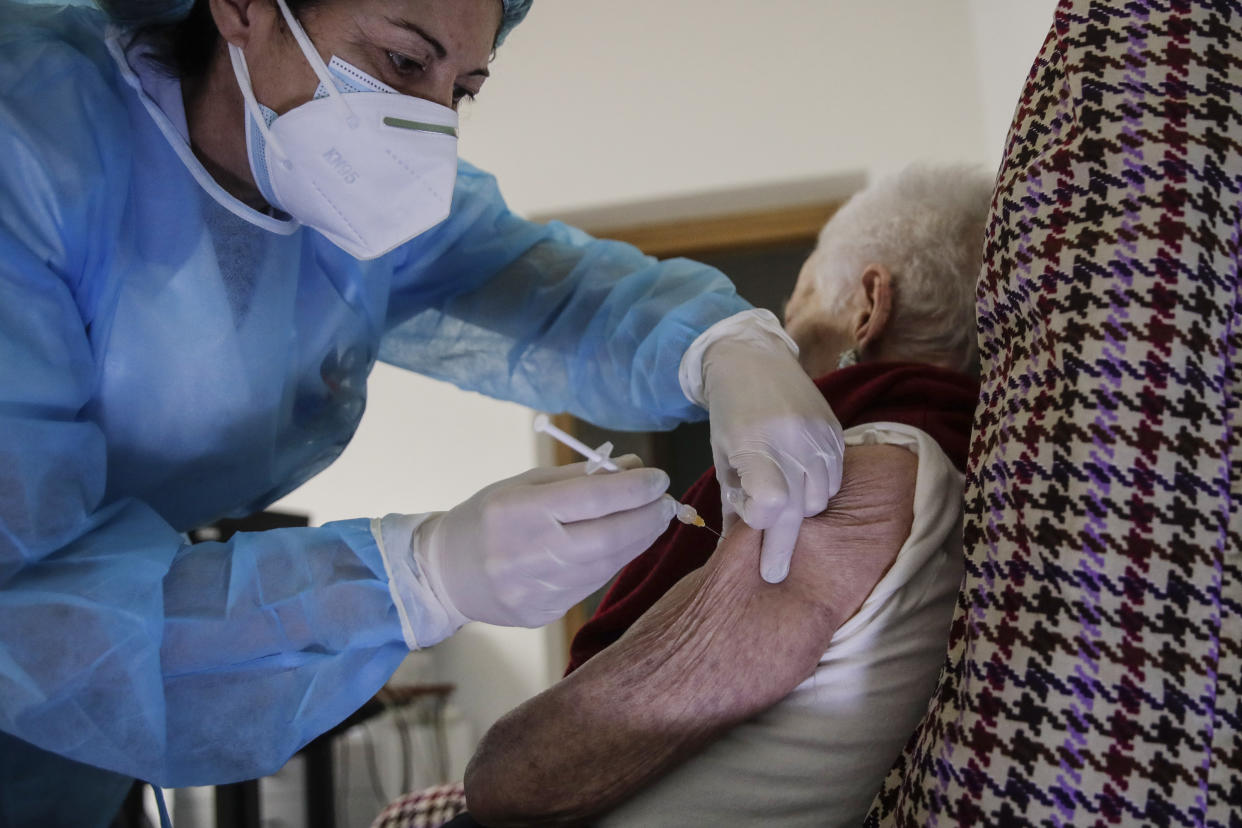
<point x="523" y="551"/>
<point x="777" y="445"/>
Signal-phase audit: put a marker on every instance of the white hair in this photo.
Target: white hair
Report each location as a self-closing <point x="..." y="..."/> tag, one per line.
<point x="926" y="225"/>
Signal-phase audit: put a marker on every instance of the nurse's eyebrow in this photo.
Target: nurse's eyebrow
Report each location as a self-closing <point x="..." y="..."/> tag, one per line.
<point x="436" y="45"/>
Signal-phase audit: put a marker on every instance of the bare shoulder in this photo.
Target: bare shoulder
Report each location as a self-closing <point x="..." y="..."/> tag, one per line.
<point x="874" y="476"/>
<point x="843" y="552"/>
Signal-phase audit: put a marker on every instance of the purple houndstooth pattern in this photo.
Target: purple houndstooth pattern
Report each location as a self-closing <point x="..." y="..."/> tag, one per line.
<point x="1094" y="672"/>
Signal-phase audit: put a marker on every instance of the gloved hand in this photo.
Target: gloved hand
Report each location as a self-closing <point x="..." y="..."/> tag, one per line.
<point x="523" y="551"/>
<point x="777" y="445"/>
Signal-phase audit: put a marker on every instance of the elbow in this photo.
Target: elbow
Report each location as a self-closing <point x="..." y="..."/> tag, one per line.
<point x="505" y="790"/>
<point x="498" y="806"/>
<point x="490" y="797"/>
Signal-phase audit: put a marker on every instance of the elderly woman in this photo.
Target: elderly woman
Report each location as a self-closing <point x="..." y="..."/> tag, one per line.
<point x="211" y="226"/>
<point x="699" y="694"/>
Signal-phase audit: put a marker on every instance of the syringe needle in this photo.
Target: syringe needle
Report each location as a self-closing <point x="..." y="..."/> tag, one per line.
<point x="599" y="459"/>
<point x="710" y="529"/>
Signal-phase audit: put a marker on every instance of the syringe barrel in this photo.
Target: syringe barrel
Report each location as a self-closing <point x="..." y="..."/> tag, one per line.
<point x="543" y="424"/>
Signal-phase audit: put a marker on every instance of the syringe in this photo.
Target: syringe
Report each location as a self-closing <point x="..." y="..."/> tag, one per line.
<point x="600" y="458"/>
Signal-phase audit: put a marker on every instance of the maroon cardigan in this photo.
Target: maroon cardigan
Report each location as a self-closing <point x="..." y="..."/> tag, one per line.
<point x="940" y="402"/>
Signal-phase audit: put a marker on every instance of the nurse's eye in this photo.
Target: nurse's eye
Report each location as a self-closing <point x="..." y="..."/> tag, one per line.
<point x="404" y="64"/>
<point x="461" y="93"/>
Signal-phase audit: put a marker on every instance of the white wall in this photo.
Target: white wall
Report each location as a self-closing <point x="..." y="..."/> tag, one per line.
<point x="593" y="103"/>
<point x="1006" y="35"/>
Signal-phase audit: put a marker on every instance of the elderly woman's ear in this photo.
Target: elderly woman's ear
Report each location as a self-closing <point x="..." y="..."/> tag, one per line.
<point x="875" y="306"/>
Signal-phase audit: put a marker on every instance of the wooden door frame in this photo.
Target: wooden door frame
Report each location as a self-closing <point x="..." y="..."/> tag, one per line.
<point x="752" y="229"/>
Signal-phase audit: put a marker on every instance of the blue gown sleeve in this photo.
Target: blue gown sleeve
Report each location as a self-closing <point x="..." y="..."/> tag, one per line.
<point x="124" y="646"/>
<point x="549" y="317"/>
<point x="121" y="645"/>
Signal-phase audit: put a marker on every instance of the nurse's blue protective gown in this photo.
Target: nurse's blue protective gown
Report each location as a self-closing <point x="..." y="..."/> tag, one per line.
<point x="169" y="356"/>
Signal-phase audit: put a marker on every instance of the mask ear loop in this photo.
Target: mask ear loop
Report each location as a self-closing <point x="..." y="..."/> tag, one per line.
<point x="312" y="57"/>
<point x="252" y="104"/>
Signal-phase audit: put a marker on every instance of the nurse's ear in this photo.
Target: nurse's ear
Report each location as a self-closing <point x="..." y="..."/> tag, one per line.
<point x="240" y="21"/>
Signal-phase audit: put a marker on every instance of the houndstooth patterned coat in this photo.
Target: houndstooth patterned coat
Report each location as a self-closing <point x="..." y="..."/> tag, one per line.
<point x="1094" y="674"/>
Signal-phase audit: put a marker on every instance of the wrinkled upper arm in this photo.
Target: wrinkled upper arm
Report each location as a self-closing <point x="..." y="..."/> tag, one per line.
<point x="840" y="556"/>
<point x="719" y="647"/>
<point x="846" y="550"/>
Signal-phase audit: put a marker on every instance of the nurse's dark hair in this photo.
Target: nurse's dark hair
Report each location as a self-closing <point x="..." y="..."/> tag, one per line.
<point x="185" y="47"/>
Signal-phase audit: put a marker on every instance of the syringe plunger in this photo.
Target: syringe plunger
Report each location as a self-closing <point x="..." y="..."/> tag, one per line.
<point x="597" y="458"/>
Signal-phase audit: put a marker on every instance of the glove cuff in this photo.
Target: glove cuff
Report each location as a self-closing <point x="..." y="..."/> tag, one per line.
<point x="757" y="326"/>
<point x="427" y="614"/>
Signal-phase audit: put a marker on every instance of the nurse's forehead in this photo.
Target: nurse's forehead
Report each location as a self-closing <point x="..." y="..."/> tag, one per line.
<point x="457" y="28"/>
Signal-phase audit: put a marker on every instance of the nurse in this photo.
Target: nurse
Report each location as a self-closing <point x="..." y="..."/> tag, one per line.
<point x="211" y="226"/>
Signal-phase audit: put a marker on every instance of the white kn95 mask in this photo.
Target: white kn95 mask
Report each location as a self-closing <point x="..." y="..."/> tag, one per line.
<point x="368" y="167"/>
